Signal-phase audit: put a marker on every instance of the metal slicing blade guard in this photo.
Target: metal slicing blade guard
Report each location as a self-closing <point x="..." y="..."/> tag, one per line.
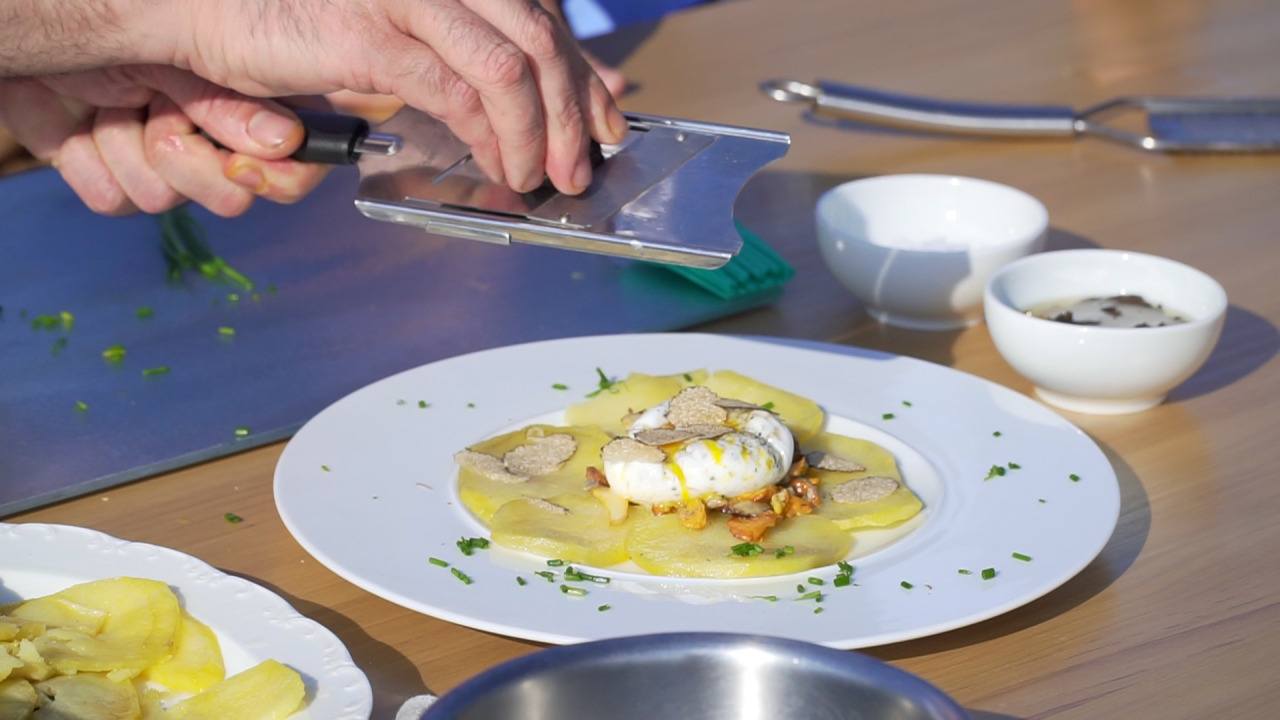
<point x="665" y="193"/>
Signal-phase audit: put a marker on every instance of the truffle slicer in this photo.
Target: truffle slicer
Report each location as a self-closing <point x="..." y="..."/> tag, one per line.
<point x="665" y="193"/>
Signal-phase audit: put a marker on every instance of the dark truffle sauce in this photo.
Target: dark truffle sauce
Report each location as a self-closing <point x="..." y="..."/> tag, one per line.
<point x="1119" y="311"/>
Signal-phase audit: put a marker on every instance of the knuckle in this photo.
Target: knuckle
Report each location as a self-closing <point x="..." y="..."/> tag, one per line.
<point x="462" y="99"/>
<point x="542" y="35"/>
<point x="155" y="200"/>
<point x="504" y="66"/>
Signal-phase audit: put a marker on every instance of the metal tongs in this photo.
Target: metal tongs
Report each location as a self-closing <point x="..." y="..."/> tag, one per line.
<point x="1173" y="124"/>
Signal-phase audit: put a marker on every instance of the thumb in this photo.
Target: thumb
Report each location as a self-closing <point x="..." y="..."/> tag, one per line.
<point x="252" y="126"/>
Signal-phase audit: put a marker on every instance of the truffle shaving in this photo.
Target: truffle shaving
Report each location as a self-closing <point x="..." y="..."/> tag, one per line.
<point x="864" y="489"/>
<point x="487" y="466"/>
<point x="548" y="506"/>
<point x="541" y="455"/>
<point x="835" y="463"/>
<point x="628" y="450"/>
<point x="731" y="404"/>
<point x="667" y="436"/>
<point x="696" y="406"/>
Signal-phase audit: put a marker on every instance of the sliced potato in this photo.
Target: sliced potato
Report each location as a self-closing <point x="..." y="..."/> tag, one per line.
<point x="86" y="696"/>
<point x="581" y="534"/>
<point x="8" y="663"/>
<point x="663" y="546"/>
<point x="900" y="505"/>
<point x="803" y="416"/>
<point x="12" y="628"/>
<point x="56" y="611"/>
<point x="635" y="393"/>
<point x="142" y="621"/>
<point x="196" y="664"/>
<point x="33" y="666"/>
<point x="483" y="496"/>
<point x="266" y="691"/>
<point x="17" y="699"/>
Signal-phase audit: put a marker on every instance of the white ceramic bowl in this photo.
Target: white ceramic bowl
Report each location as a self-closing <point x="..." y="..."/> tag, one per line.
<point x="918" y="249"/>
<point x="1103" y="370"/>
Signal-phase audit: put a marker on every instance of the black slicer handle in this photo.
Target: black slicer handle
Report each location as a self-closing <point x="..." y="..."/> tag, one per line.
<point x="330" y="138"/>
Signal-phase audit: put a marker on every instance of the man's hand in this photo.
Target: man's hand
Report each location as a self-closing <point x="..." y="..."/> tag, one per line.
<point x="127" y="139"/>
<point x="505" y="75"/>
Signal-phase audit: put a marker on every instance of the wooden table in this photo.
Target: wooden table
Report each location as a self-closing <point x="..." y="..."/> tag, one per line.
<point x="1179" y="617"/>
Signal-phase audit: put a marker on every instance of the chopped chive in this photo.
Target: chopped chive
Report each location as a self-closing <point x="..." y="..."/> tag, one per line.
<point x="842" y="580"/>
<point x="1042" y="501"/>
<point x="818" y="610"/>
<point x="845" y="568"/>
<point x="1014" y="466"/>
<point x="465" y="578"/>
<point x="468" y="546"/>
<point x="226" y="331"/>
<point x="233" y="297"/>
<point x="402" y="401"/>
<point x="604" y="383"/>
<point x="815" y="581"/>
<point x="555" y="562"/>
<point x="546" y="575"/>
<point x="521" y="581"/>
<point x="113" y="354"/>
<point x="471" y="405"/>
<point x="906" y="403"/>
<point x="68" y="320"/>
<point x="82" y="406"/>
<point x="232" y="518"/>
<point x="44" y="322"/>
<point x="994" y="472"/>
<point x="816" y="595"/>
<point x="800" y="588"/>
<point x="766" y="598"/>
<point x="559" y="386"/>
<point x="767" y="406"/>
<point x="963" y="571"/>
<point x="887" y="416"/>
<point x="241" y="432"/>
<point x="746" y="549"/>
<point x="906" y="585"/>
<point x="437" y="562"/>
<point x="155" y="371"/>
<point x="574" y="575"/>
<point x="996" y="434"/>
<point x="324" y="468"/>
<point x="1020" y="556"/>
<point x="1074" y="477"/>
<point x="988" y="573"/>
<point x="687" y="377"/>
<point x="604" y="608"/>
<point x="784" y="551"/>
<point x="58" y="346"/>
<point x="574" y="591"/>
<point x="423" y="404"/>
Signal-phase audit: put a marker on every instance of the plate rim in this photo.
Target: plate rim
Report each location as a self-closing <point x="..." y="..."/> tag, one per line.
<point x="837" y="351"/>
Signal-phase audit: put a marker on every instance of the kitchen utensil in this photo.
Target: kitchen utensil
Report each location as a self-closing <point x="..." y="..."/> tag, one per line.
<point x="665" y="193"/>
<point x="695" y="676"/>
<point x="1173" y="124"/>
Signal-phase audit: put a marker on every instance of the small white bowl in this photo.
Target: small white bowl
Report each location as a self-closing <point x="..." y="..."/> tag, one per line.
<point x="918" y="249"/>
<point x="1103" y="370"/>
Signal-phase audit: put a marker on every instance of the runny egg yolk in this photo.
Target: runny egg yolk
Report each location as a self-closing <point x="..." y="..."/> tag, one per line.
<point x="754" y="455"/>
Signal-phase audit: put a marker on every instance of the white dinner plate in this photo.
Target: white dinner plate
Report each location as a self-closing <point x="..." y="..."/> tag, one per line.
<point x="252" y="623"/>
<point x="368" y="487"/>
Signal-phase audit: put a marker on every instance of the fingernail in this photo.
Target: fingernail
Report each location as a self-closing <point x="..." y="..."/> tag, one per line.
<point x="247" y="175"/>
<point x="270" y="129"/>
<point x="582" y="174"/>
<point x="618" y="124"/>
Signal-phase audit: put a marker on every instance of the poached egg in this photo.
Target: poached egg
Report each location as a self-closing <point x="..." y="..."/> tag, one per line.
<point x="756" y="453"/>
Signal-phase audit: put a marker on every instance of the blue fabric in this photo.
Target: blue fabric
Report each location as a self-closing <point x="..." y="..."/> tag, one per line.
<point x="623" y="12"/>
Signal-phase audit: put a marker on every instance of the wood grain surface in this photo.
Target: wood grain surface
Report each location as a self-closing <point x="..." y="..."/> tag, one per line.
<point x="1180" y="615"/>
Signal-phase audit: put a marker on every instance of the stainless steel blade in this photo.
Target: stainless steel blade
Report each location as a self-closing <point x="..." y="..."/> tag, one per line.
<point x="664" y="194"/>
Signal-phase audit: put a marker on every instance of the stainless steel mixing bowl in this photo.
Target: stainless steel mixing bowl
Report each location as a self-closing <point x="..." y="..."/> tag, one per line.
<point x="695" y="676"/>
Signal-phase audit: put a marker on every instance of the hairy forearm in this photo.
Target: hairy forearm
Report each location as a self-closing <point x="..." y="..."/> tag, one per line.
<point x="38" y="37"/>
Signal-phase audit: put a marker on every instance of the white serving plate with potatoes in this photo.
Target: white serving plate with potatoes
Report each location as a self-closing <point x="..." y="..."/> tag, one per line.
<point x="252" y="623"/>
<point x="368" y="487"/>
